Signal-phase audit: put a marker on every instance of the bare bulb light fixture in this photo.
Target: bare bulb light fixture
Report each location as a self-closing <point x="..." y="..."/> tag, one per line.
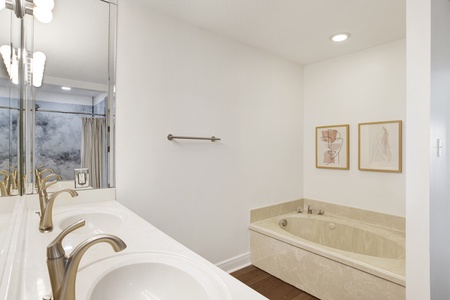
<point x="40" y="9"/>
<point x="35" y="64"/>
<point x="340" y="37"/>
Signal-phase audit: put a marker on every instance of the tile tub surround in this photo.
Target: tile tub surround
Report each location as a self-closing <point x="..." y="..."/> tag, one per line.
<point x="326" y="272"/>
<point x="267" y="212"/>
<point x="365" y="216"/>
<point x="319" y="276"/>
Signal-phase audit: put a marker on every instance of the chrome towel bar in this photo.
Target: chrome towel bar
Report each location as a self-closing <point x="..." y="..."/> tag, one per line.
<point x="212" y="139"/>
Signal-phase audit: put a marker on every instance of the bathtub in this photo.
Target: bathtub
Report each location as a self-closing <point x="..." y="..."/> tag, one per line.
<point x="331" y="257"/>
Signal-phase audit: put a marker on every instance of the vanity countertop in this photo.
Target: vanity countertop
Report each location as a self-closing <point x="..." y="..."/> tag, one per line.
<point x="101" y="217"/>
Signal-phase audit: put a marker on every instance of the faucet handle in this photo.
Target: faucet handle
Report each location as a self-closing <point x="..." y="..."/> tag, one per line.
<point x="55" y="249"/>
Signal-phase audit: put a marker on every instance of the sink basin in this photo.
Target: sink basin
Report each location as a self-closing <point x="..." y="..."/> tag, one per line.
<point x="149" y="281"/>
<point x="95" y="223"/>
<point x="149" y="276"/>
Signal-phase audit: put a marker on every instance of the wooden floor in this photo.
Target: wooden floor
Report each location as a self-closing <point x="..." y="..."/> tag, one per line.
<point x="270" y="286"/>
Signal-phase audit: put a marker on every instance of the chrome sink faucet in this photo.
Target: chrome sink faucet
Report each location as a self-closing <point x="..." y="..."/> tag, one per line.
<point x="46" y="222"/>
<point x="63" y="269"/>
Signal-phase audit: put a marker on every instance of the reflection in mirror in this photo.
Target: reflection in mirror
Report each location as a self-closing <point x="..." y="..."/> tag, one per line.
<point x="9" y="112"/>
<point x="72" y="110"/>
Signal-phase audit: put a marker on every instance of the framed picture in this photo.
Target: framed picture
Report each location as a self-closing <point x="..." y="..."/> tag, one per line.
<point x="332" y="147"/>
<point x="380" y="146"/>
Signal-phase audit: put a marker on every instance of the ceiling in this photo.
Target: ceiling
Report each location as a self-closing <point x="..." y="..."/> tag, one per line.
<point x="298" y="30"/>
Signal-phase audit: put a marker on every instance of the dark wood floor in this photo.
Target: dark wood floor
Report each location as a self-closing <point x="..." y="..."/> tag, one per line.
<point x="270" y="286"/>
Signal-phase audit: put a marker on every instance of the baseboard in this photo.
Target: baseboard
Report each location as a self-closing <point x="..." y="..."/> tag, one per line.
<point x="235" y="263"/>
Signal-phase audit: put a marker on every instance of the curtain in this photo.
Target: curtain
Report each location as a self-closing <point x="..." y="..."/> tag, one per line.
<point x="93" y="150"/>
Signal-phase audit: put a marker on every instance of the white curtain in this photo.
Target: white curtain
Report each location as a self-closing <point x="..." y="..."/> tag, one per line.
<point x="93" y="150"/>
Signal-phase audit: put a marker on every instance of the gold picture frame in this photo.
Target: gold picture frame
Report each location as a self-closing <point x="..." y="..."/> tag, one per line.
<point x="380" y="146"/>
<point x="332" y="147"/>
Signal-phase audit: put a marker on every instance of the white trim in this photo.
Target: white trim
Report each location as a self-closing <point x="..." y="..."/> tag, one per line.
<point x="235" y="263"/>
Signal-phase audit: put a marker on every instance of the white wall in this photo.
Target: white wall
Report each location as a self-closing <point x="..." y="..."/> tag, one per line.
<point x="367" y="86"/>
<point x="418" y="150"/>
<point x="179" y="79"/>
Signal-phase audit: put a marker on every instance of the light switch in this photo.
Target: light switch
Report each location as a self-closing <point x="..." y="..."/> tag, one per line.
<point x="439" y="147"/>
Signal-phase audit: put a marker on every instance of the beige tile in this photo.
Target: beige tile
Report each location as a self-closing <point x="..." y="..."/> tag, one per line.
<point x="274" y="210"/>
<point x="324" y="278"/>
<point x="365" y="216"/>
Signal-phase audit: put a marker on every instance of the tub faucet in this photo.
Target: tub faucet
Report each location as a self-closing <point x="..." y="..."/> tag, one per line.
<point x="309" y="209"/>
<point x="46" y="223"/>
<point x="63" y="270"/>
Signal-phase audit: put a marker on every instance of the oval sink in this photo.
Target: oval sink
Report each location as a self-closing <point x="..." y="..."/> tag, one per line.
<point x="155" y="276"/>
<point x="95" y="223"/>
<point x="148" y="281"/>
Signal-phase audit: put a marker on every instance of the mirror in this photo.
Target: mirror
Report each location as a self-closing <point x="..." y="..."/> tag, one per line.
<point x="68" y="121"/>
<point x="9" y="111"/>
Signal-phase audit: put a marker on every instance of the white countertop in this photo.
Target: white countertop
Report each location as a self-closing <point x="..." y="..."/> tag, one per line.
<point x="139" y="235"/>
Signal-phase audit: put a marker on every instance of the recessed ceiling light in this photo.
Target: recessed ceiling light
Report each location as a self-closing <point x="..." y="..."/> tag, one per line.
<point x="340" y="37"/>
<point x="66" y="88"/>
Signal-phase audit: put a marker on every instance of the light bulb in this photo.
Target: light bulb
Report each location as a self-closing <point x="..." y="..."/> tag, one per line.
<point x="39" y="58"/>
<point x="14" y="72"/>
<point x="43" y="15"/>
<point x="340" y="37"/>
<point x="5" y="51"/>
<point x="45" y="4"/>
<point x="38" y="68"/>
<point x="37" y="81"/>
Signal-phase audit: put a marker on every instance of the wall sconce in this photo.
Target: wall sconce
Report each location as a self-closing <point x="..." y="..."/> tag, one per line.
<point x="41" y="9"/>
<point x="35" y="64"/>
